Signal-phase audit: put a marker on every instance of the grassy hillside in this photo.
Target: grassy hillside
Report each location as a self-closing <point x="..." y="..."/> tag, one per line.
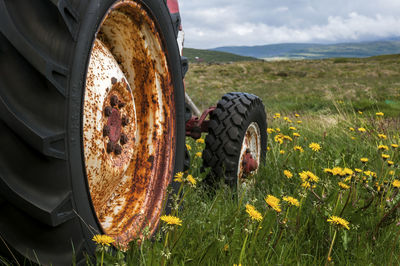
<point x="316" y="51"/>
<point x="307" y="86"/>
<point x="207" y="56"/>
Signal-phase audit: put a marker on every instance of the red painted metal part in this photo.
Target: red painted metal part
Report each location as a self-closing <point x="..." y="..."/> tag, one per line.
<point x="195" y="126"/>
<point x="249" y="164"/>
<point x="173" y="6"/>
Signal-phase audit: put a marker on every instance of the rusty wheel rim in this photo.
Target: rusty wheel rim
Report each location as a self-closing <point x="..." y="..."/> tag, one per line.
<point x="128" y="122"/>
<point x="251" y="145"/>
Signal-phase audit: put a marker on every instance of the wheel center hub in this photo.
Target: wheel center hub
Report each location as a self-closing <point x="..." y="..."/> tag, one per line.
<point x="115" y="125"/>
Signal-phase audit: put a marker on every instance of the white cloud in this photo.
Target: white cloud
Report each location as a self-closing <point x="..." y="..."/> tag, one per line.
<point x="209" y="24"/>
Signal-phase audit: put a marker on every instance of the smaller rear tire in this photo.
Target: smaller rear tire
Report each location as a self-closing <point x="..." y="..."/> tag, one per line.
<point x="236" y="115"/>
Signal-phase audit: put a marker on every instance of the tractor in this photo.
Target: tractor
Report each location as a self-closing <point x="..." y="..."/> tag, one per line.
<point x="93" y="121"/>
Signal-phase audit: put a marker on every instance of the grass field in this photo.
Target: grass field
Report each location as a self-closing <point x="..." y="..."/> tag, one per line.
<point x="305" y="86"/>
<point x="329" y="190"/>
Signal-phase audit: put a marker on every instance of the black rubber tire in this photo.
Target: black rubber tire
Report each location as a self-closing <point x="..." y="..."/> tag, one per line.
<point x="44" y="52"/>
<point x="227" y="127"/>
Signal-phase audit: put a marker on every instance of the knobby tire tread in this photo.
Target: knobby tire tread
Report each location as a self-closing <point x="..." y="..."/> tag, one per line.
<point x="228" y="124"/>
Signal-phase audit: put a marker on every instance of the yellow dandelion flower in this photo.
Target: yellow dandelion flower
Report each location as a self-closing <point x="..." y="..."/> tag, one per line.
<point x="171" y="220"/>
<point x="394" y="146"/>
<point x="273" y="202"/>
<point x="390" y="163"/>
<point x="296" y="135"/>
<point x="282" y="152"/>
<point x="306" y="185"/>
<point x="278" y="115"/>
<point x="343" y="185"/>
<point x="353" y="138"/>
<point x="288" y="174"/>
<point x="382" y="136"/>
<point x="358" y="170"/>
<point x="286" y="118"/>
<point x="292" y="128"/>
<point x="268" y="148"/>
<point x="278" y="139"/>
<point x="299" y="121"/>
<point x="385" y="156"/>
<point x="337" y="170"/>
<point x="314" y="146"/>
<point x="298" y="148"/>
<point x="396" y="183"/>
<point x="328" y="170"/>
<point x="383" y="147"/>
<point x="191" y="180"/>
<point x="188" y="147"/>
<point x="308" y="176"/>
<point x="103" y="240"/>
<point x="379" y="114"/>
<point x="270" y="130"/>
<point x="292" y="201"/>
<point x="200" y="140"/>
<point x="360" y="112"/>
<point x="351" y="129"/>
<point x="296" y="115"/>
<point x="287" y="137"/>
<point x="277" y="129"/>
<point x="367" y="172"/>
<point x="391" y="172"/>
<point x="253" y="213"/>
<point x="226" y="247"/>
<point x="335" y="220"/>
<point x="198" y="154"/>
<point x="178" y="177"/>
<point x="364" y="160"/>
<point x="348" y="171"/>
<point x="361" y="129"/>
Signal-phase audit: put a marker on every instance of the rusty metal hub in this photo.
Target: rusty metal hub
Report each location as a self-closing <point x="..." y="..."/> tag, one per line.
<point x="250" y="153"/>
<point x="128" y="122"/>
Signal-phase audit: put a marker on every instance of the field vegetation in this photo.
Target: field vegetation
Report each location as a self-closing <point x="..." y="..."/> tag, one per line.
<point x="329" y="190"/>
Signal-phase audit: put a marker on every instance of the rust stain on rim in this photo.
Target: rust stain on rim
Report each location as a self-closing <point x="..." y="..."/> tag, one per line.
<point x="129" y="123"/>
<point x="251" y="147"/>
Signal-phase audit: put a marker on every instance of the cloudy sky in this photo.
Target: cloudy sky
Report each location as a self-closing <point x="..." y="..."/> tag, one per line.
<point x="214" y="23"/>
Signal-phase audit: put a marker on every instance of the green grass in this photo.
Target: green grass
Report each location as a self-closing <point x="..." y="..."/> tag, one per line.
<point x="217" y="230"/>
<point x="306" y="86"/>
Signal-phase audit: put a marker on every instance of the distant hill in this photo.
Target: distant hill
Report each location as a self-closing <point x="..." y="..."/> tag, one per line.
<point x="315" y="51"/>
<point x="208" y="56"/>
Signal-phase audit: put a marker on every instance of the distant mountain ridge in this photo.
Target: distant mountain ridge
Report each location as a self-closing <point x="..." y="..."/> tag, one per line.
<point x="208" y="56"/>
<point x="315" y="50"/>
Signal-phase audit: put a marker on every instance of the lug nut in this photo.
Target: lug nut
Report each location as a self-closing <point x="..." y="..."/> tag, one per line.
<point x="121" y="104"/>
<point x="124" y="139"/>
<point x="125" y="120"/>
<point x="110" y="147"/>
<point x="108" y="111"/>
<point x="113" y="80"/>
<point x="106" y="131"/>
<point x="117" y="149"/>
<point x="114" y="100"/>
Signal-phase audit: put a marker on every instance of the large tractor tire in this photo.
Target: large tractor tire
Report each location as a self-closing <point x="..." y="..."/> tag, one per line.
<point x="91" y="123"/>
<point x="237" y="129"/>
